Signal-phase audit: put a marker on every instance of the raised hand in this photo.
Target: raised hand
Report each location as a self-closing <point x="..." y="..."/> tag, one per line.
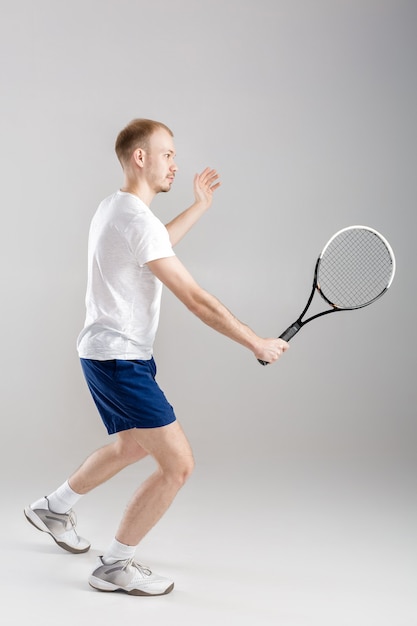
<point x="204" y="186"/>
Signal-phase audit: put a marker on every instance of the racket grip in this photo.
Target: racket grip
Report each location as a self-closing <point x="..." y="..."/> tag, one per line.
<point x="286" y="336"/>
<point x="291" y="331"/>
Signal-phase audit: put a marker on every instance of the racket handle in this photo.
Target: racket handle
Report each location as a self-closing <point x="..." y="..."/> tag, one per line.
<point x="291" y="331"/>
<point x="286" y="336"/>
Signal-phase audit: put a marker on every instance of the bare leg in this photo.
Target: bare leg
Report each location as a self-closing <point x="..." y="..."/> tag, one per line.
<point x="171" y="450"/>
<point x="106" y="463"/>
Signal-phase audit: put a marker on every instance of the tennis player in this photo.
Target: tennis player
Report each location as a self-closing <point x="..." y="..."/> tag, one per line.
<point x="130" y="258"/>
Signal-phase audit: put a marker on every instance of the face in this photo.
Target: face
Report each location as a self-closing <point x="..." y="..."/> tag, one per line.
<point x="159" y="161"/>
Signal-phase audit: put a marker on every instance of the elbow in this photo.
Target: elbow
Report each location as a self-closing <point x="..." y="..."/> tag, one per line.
<point x="194" y="305"/>
<point x="199" y="303"/>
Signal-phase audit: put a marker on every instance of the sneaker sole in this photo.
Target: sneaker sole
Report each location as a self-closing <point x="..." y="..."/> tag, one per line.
<point x="33" y="519"/>
<point x="102" y="585"/>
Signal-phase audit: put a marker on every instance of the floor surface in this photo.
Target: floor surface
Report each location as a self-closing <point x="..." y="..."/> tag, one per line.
<point x="265" y="547"/>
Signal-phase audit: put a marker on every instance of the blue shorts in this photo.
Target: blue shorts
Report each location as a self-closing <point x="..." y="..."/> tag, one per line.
<point x="126" y="394"/>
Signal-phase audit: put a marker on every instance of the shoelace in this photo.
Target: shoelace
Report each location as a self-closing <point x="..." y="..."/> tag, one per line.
<point x="69" y="519"/>
<point x="72" y="520"/>
<point x="141" y="568"/>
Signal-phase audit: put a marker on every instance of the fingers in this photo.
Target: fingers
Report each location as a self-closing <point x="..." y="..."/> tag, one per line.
<point x="208" y="179"/>
<point x="284" y="345"/>
<point x="276" y="353"/>
<point x="273" y="350"/>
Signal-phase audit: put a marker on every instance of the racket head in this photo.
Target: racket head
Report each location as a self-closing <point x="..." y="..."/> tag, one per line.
<point x="355" y="268"/>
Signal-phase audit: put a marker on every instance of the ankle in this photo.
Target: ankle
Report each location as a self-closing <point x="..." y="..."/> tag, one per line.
<point x="118" y="551"/>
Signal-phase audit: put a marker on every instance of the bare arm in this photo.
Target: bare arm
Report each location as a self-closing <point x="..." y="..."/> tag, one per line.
<point x="211" y="311"/>
<point x="204" y="186"/>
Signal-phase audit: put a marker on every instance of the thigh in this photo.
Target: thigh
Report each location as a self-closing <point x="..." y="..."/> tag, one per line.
<point x="166" y="444"/>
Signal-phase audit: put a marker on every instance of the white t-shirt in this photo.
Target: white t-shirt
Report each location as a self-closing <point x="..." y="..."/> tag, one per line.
<point x="123" y="296"/>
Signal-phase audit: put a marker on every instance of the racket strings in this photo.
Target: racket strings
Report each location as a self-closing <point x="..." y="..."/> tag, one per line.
<point x="355" y="268"/>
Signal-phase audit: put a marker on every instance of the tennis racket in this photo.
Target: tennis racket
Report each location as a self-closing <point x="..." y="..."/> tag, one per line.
<point x="355" y="268"/>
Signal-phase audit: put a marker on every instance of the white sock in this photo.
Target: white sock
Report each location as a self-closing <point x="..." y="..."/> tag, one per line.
<point x="60" y="501"/>
<point x="118" y="552"/>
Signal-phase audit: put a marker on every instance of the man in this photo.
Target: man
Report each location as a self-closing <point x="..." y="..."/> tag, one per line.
<point x="130" y="257"/>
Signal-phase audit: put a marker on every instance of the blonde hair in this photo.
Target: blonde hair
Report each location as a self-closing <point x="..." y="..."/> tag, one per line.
<point x="136" y="135"/>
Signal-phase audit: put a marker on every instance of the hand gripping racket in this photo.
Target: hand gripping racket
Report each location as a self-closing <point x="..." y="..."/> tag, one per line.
<point x="355" y="268"/>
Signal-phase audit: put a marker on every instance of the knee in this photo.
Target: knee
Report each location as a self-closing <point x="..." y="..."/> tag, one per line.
<point x="188" y="469"/>
<point x="180" y="471"/>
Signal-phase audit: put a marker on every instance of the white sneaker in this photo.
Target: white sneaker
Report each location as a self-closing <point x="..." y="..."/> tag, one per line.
<point x="61" y="527"/>
<point x="129" y="576"/>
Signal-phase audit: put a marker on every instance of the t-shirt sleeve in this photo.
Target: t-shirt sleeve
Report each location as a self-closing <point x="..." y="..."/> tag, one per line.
<point x="149" y="239"/>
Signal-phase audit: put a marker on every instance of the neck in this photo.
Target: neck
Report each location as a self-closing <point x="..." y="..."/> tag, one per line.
<point x="142" y="191"/>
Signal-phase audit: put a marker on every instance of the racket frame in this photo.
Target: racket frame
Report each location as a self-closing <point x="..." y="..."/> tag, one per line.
<point x="299" y="323"/>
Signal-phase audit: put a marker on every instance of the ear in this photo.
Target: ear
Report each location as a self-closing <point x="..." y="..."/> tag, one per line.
<point x="139" y="157"/>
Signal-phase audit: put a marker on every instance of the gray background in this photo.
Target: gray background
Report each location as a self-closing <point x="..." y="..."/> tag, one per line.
<point x="307" y="109"/>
